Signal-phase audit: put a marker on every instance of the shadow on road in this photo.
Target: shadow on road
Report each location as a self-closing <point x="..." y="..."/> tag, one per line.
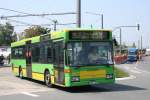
<point x="101" y="88"/>
<point x="34" y="81"/>
<point x="94" y="88"/>
<point x="121" y="87"/>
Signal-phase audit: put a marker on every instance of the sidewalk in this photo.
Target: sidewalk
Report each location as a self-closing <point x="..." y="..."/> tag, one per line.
<point x="5" y="65"/>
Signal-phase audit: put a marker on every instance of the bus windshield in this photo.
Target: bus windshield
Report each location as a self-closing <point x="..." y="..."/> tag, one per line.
<point x="89" y="53"/>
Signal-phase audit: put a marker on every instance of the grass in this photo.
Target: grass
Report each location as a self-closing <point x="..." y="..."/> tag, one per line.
<point x="120" y="73"/>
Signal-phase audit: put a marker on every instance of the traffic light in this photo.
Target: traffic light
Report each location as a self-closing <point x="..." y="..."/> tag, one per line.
<point x="115" y="42"/>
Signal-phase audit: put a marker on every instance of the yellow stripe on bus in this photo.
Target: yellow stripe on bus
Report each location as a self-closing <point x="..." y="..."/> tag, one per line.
<point x="15" y="70"/>
<point x="52" y="79"/>
<point x="38" y="76"/>
<point x="93" y="74"/>
<point x="24" y="72"/>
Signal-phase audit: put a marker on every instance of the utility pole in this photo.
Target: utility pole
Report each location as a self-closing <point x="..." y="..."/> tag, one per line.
<point x="91" y="26"/>
<point x="78" y="13"/>
<point x="138" y="44"/>
<point x="102" y="19"/>
<point x="120" y="40"/>
<point x="141" y="43"/>
<point x="55" y="23"/>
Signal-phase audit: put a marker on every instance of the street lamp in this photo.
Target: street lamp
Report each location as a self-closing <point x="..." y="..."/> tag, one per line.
<point x="120" y="30"/>
<point x="102" y="19"/>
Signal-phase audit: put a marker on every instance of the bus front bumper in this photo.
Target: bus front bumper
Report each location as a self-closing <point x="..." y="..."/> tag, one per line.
<point x="93" y="81"/>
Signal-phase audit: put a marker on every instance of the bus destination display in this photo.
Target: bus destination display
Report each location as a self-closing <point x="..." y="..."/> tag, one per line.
<point x="89" y="35"/>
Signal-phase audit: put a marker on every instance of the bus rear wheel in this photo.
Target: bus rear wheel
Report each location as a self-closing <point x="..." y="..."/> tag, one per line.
<point x="47" y="79"/>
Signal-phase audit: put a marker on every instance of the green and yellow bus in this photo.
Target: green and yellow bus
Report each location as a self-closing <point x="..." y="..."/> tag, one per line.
<point x="72" y="57"/>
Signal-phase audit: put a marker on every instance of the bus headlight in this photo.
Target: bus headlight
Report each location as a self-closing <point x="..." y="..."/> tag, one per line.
<point x="109" y="76"/>
<point x="75" y="79"/>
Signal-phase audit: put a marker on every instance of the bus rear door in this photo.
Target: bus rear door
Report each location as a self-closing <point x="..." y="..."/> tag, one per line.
<point x="28" y="59"/>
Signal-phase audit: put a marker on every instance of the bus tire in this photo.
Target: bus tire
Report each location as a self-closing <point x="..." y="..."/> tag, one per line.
<point x="20" y="73"/>
<point x="47" y="79"/>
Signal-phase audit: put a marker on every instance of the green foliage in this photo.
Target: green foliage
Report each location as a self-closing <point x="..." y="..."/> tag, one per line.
<point x="35" y="31"/>
<point x="120" y="73"/>
<point x="6" y="34"/>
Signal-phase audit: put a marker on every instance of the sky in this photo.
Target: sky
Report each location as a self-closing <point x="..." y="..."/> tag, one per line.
<point x="116" y="13"/>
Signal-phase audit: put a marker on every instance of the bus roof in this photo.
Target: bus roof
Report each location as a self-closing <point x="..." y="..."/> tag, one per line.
<point x="37" y="38"/>
<point x="85" y="29"/>
<point x="19" y="43"/>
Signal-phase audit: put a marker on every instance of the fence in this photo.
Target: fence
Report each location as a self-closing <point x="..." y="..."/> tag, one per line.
<point x="119" y="59"/>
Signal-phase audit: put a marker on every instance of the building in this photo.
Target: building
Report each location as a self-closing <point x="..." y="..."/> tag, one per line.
<point x="5" y="51"/>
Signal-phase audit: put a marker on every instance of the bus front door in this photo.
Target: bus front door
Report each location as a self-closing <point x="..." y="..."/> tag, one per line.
<point x="28" y="59"/>
<point x="58" y="59"/>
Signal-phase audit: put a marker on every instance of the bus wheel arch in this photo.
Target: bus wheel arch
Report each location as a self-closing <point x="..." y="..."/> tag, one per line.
<point x="47" y="78"/>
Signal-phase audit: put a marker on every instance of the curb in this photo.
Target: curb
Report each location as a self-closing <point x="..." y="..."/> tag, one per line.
<point x="5" y="66"/>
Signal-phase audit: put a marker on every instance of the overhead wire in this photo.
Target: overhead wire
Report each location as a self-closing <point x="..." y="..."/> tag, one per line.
<point x="29" y="15"/>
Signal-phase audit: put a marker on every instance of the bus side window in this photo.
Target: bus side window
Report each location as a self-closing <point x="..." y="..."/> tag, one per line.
<point x="58" y="54"/>
<point x="61" y="55"/>
<point x="35" y="53"/>
<point x="21" y="52"/>
<point x="55" y="54"/>
<point x="49" y="54"/>
<point x="16" y="53"/>
<point x="45" y="52"/>
<point x="13" y="53"/>
<point x="42" y="53"/>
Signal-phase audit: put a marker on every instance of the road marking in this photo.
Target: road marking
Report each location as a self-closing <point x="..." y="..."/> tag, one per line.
<point x="126" y="78"/>
<point x="135" y="71"/>
<point x="29" y="94"/>
<point x="141" y="70"/>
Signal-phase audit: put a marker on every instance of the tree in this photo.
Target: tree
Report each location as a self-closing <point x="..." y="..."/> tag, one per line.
<point x="124" y="45"/>
<point x="21" y="36"/>
<point x="6" y="34"/>
<point x="35" y="31"/>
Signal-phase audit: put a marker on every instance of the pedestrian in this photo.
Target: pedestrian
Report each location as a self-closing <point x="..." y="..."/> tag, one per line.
<point x="1" y="60"/>
<point x="8" y="59"/>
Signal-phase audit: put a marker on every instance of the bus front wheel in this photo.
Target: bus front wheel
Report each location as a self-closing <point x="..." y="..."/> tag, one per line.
<point x="47" y="79"/>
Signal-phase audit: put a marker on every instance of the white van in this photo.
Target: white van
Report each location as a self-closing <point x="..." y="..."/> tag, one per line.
<point x="147" y="53"/>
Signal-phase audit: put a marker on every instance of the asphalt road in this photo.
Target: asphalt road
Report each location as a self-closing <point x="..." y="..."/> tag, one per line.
<point x="137" y="87"/>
